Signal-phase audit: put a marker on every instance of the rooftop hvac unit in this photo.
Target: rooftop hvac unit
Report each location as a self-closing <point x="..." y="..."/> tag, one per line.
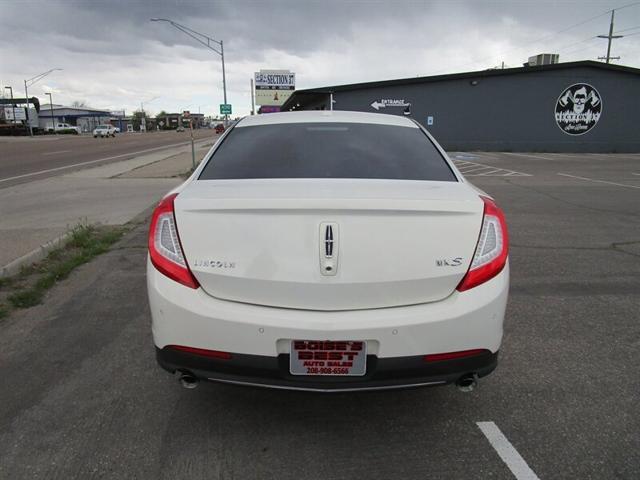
<point x="544" y="59"/>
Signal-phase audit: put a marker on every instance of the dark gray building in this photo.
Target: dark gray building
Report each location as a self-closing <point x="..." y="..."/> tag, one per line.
<point x="582" y="106"/>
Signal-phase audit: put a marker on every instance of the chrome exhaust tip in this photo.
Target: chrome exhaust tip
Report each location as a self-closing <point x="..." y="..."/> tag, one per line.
<point x="188" y="380"/>
<point x="467" y="383"/>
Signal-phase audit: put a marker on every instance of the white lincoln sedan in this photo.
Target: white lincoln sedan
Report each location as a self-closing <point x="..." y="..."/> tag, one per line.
<point x="328" y="251"/>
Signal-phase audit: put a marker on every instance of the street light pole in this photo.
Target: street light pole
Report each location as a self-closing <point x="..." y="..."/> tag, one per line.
<point x="13" y="107"/>
<point x="26" y="96"/>
<point x="224" y="79"/>
<point x="253" y="102"/>
<point x="143" y="117"/>
<point x="206" y="41"/>
<point x="51" y="110"/>
<point x="30" y="82"/>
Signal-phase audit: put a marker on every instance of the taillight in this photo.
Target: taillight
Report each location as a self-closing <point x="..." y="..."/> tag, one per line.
<point x="492" y="250"/>
<point x="164" y="244"/>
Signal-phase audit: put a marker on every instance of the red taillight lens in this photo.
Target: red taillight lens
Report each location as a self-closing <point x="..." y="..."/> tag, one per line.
<point x="202" y="352"/>
<point x="438" y="357"/>
<point x="492" y="250"/>
<point x="165" y="249"/>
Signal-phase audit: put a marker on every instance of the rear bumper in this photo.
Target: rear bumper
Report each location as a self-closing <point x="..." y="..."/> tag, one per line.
<point x="259" y="338"/>
<point x="273" y="372"/>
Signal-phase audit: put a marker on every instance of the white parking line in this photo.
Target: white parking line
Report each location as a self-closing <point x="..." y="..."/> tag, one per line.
<point x="55" y="153"/>
<point x="507" y="452"/>
<point x="599" y="181"/>
<point x="526" y="155"/>
<point x="632" y="173"/>
<point x="491" y="172"/>
<point x="473" y="169"/>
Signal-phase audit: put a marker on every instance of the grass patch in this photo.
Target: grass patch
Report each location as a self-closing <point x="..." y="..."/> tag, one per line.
<point x="29" y="287"/>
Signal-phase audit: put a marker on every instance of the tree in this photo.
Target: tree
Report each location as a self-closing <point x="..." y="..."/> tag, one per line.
<point x="79" y="103"/>
<point x="161" y="114"/>
<point x="137" y="119"/>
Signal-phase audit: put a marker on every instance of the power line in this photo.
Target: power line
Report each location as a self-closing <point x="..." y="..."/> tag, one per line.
<point x="627" y="29"/>
<point x="575" y="43"/>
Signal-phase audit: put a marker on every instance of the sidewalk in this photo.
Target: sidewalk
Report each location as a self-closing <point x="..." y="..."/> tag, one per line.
<point x="37" y="213"/>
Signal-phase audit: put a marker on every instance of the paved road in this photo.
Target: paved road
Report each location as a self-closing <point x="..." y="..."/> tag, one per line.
<point x="25" y="159"/>
<point x="81" y="396"/>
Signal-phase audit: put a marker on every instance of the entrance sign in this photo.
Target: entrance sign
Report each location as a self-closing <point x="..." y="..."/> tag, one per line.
<point x="389" y="102"/>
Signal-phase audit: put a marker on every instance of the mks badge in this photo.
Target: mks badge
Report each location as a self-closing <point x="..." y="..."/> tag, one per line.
<point x="578" y="109"/>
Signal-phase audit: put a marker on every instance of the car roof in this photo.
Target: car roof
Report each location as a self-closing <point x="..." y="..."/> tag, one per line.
<point x="325" y="116"/>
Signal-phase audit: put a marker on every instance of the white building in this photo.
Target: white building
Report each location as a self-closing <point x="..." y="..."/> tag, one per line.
<point x="84" y="117"/>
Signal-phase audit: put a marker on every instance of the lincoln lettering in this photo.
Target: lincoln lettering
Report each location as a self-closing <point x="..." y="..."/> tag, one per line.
<point x="214" y="264"/>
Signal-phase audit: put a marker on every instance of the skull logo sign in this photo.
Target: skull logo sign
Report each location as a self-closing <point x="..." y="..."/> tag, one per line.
<point x="578" y="109"/>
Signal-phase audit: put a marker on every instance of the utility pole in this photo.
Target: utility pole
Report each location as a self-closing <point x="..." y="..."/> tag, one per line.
<point x="610" y="37"/>
<point x="253" y="101"/>
<point x="53" y="125"/>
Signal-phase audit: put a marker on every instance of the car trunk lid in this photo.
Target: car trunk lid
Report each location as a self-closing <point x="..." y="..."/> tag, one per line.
<point x="266" y="242"/>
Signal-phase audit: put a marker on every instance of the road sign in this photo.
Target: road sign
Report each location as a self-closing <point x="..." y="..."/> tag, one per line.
<point x="225" y="109"/>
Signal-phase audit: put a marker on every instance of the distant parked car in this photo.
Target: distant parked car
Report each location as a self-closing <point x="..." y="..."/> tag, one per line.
<point x="180" y="129"/>
<point x="219" y="128"/>
<point x="104" y="131"/>
<point x="62" y="128"/>
<point x="117" y="129"/>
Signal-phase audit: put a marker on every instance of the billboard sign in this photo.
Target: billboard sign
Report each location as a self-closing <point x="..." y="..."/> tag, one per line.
<point x="274" y="87"/>
<point x="17" y="113"/>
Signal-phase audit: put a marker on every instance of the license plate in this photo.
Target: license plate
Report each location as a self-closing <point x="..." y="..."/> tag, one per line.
<point x="328" y="357"/>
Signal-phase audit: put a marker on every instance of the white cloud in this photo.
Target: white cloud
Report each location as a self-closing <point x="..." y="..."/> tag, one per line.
<point x="113" y="57"/>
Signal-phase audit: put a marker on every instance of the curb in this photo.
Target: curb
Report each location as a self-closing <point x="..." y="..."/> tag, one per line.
<point x="42" y="251"/>
<point x="33" y="256"/>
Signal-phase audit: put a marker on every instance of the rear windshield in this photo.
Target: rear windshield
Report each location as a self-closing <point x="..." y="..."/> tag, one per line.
<point x="327" y="150"/>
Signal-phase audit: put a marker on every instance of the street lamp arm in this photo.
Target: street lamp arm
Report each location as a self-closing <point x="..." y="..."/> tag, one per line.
<point x="37" y="78"/>
<point x="197" y="36"/>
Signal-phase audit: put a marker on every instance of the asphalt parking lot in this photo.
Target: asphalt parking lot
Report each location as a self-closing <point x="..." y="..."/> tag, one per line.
<point x="82" y="397"/>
